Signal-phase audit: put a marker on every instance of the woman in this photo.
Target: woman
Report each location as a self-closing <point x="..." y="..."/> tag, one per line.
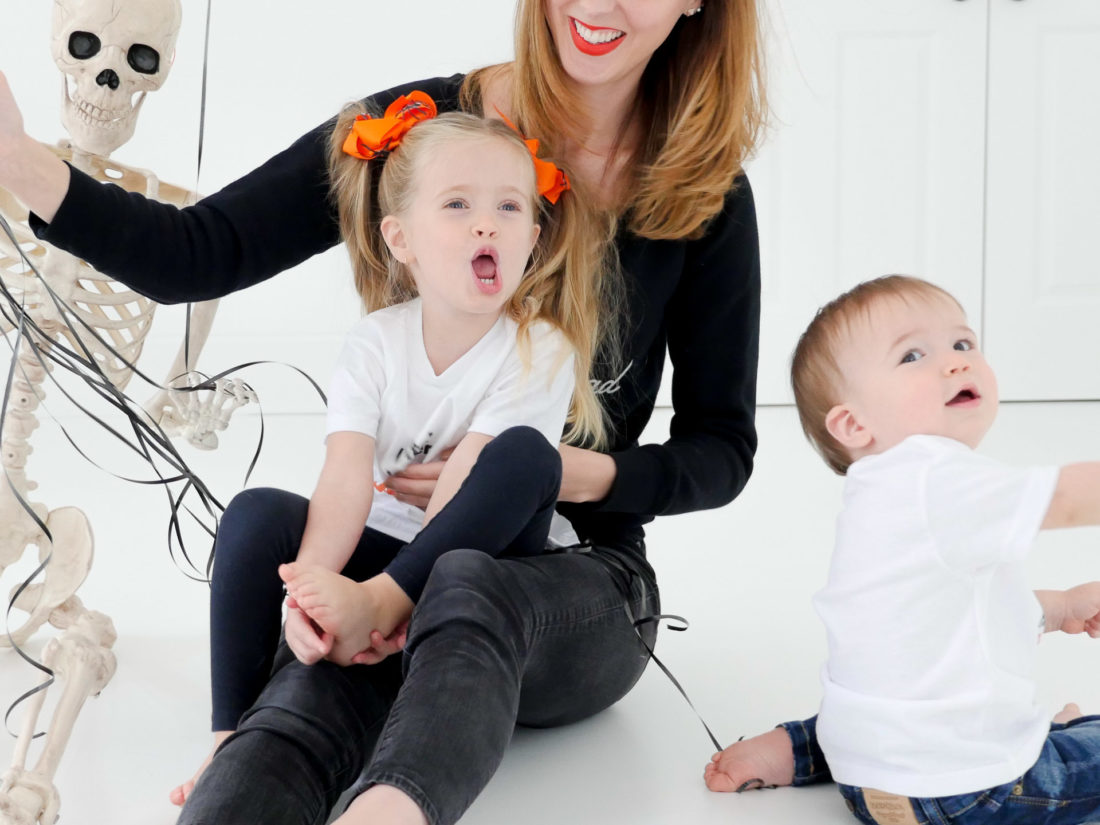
<point x="652" y="107"/>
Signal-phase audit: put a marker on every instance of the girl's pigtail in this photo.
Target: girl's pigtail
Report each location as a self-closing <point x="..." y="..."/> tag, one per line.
<point x="354" y="188"/>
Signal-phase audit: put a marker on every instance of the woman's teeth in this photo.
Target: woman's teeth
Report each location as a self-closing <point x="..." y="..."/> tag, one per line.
<point x="596" y="38"/>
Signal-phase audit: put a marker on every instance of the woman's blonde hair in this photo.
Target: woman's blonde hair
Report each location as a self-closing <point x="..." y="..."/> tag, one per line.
<point x="564" y="282"/>
<point x="816" y="377"/>
<point x="700" y="105"/>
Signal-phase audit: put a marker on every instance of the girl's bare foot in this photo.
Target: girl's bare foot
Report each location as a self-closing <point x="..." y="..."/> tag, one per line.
<point x="767" y="759"/>
<point x="1067" y="714"/>
<point x="383" y="803"/>
<point x="178" y="795"/>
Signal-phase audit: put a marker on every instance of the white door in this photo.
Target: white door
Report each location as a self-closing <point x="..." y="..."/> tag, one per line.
<point x="874" y="162"/>
<point x="1042" y="310"/>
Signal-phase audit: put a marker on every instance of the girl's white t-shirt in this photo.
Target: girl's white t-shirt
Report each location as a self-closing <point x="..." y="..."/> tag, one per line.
<point x="932" y="628"/>
<point x="384" y="386"/>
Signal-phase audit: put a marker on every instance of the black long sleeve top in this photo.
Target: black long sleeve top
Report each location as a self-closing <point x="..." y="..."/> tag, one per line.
<point x="700" y="298"/>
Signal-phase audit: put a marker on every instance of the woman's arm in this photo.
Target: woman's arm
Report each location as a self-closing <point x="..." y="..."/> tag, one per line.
<point x="271" y="219"/>
<point x="30" y="171"/>
<point x="713" y="322"/>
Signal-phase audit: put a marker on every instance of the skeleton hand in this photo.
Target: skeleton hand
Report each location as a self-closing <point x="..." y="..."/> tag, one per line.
<point x="198" y="415"/>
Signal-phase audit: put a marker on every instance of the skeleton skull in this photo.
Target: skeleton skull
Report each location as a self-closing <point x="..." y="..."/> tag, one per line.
<point x="112" y="53"/>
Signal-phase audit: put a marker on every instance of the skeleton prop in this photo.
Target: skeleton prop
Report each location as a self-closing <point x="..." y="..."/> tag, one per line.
<point x="112" y="53"/>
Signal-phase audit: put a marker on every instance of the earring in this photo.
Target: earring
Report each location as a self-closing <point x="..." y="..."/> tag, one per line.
<point x="693" y="12"/>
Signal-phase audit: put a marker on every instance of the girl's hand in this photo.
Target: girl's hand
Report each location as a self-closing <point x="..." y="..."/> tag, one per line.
<point x="382" y="646"/>
<point x="309" y="643"/>
<point x="586" y="475"/>
<point x="415" y="484"/>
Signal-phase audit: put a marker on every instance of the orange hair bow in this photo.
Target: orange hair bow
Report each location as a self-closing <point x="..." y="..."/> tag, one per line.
<point x="370" y="136"/>
<point x="549" y="179"/>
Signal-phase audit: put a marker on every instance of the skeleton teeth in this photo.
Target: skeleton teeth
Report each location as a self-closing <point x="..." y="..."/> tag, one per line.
<point x="596" y="38"/>
<point x="93" y="114"/>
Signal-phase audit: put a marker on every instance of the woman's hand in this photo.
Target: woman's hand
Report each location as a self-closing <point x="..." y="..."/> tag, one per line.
<point x="28" y="170"/>
<point x="382" y="646"/>
<point x="415" y="484"/>
<point x="586" y="475"/>
<point x="11" y="120"/>
<point x="305" y="639"/>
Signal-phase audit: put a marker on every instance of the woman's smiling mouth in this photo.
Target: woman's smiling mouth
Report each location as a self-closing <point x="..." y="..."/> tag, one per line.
<point x="594" y="40"/>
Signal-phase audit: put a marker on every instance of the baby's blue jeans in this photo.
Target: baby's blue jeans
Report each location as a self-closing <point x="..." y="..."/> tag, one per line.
<point x="1061" y="788"/>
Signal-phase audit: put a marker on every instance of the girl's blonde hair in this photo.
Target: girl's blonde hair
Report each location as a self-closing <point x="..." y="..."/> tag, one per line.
<point x="564" y="283"/>
<point x="816" y="377"/>
<point x="700" y="105"/>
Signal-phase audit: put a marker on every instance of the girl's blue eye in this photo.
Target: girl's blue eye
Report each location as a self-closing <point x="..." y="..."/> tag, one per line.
<point x="912" y="356"/>
<point x="964" y="345"/>
<point x="510" y="206"/>
<point x="454" y="205"/>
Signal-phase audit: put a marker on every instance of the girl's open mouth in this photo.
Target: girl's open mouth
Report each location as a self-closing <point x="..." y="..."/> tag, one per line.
<point x="486" y="271"/>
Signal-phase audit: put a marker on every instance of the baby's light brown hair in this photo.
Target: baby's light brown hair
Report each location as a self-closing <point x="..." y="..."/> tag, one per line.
<point x="815" y="375"/>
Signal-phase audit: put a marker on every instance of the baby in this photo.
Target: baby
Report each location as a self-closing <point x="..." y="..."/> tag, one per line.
<point x="929" y="711"/>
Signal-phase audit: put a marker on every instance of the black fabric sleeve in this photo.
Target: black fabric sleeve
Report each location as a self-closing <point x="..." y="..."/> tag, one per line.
<point x="271" y="219"/>
<point x="713" y="323"/>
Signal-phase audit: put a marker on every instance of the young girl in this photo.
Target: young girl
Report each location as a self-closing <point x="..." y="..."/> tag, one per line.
<point x="482" y="317"/>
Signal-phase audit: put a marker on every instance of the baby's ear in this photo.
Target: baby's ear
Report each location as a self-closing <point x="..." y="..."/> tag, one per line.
<point x="842" y="424"/>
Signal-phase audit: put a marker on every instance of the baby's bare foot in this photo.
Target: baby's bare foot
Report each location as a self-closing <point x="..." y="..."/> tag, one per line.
<point x="764" y="760"/>
<point x="178" y="795"/>
<point x="1067" y="714"/>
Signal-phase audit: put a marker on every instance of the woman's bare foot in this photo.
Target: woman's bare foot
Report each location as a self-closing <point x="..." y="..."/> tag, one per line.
<point x="767" y="759"/>
<point x="178" y="795"/>
<point x="1068" y="713"/>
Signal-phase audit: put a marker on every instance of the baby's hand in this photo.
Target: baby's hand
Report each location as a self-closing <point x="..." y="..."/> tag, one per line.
<point x="766" y="760"/>
<point x="1082" y="610"/>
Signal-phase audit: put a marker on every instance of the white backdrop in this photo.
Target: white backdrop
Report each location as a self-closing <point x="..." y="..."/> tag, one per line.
<point x="275" y="70"/>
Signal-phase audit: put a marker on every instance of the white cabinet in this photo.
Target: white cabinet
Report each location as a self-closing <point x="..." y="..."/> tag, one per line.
<point x="874" y="162"/>
<point x="1042" y="271"/>
<point x="957" y="140"/>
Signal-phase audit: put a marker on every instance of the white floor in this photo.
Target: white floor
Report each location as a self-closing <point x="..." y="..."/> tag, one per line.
<point x="742" y="575"/>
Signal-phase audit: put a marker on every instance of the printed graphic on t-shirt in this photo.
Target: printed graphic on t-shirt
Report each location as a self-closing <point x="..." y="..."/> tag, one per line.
<point x="404" y="456"/>
<point x="611" y="385"/>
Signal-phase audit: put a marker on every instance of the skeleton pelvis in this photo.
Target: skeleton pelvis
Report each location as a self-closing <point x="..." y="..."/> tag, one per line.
<point x="70" y="560"/>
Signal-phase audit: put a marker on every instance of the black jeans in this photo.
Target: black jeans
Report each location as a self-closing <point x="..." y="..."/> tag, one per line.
<point x="539" y="640"/>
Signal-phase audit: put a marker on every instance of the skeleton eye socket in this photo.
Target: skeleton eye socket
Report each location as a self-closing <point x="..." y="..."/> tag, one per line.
<point x="144" y="59"/>
<point x="83" y="45"/>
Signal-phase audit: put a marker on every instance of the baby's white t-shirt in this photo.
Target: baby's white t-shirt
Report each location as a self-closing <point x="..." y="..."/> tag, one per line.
<point x="384" y="386"/>
<point x="932" y="629"/>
